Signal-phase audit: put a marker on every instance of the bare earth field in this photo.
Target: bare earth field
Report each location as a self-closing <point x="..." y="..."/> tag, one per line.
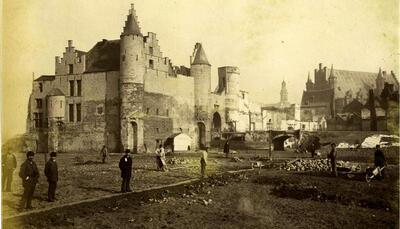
<point x="266" y="198"/>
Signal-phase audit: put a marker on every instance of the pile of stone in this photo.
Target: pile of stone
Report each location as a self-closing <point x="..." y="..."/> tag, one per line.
<point x="177" y="161"/>
<point x="317" y="165"/>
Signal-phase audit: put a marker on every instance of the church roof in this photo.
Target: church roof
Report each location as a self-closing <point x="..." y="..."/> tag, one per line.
<point x="200" y="57"/>
<point x="132" y="24"/>
<point x="55" y="92"/>
<point x="358" y="82"/>
<point x="104" y="56"/>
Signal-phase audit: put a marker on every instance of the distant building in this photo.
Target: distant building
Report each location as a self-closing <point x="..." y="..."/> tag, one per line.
<point x="126" y="94"/>
<point x="338" y="95"/>
<point x="282" y="115"/>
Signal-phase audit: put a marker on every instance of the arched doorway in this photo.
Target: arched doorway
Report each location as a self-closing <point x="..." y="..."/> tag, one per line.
<point x="202" y="135"/>
<point x="216" y="124"/>
<point x="134" y="137"/>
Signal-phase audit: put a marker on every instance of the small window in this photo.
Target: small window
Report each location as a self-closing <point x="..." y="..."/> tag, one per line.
<point x="99" y="110"/>
<point x="71" y="113"/>
<point x="147" y="110"/>
<point x="71" y="69"/>
<point x="151" y="64"/>
<point x="151" y="50"/>
<point x="167" y="112"/>
<point x="123" y="58"/>
<point x="71" y="87"/>
<point x="39" y="103"/>
<point x="157" y="130"/>
<point x="78" y="112"/>
<point x="79" y="85"/>
<point x="137" y="57"/>
<point x="41" y="87"/>
<point x="157" y="111"/>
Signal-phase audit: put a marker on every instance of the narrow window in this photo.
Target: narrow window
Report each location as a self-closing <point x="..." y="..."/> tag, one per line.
<point x="40" y="119"/>
<point x="151" y="50"/>
<point x="123" y="58"/>
<point x="147" y="110"/>
<point x="157" y="111"/>
<point x="79" y="85"/>
<point x="71" y="87"/>
<point x="61" y="104"/>
<point x="36" y="120"/>
<point x="41" y="87"/>
<point x="137" y="57"/>
<point x="78" y="112"/>
<point x="151" y="64"/>
<point x="158" y="130"/>
<point x="39" y="103"/>
<point x="167" y="112"/>
<point x="71" y="68"/>
<point x="71" y="112"/>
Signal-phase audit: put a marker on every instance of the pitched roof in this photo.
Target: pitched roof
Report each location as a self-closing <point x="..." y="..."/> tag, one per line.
<point x="55" y="92"/>
<point x="104" y="56"/>
<point x="200" y="57"/>
<point x="45" y="78"/>
<point x="358" y="82"/>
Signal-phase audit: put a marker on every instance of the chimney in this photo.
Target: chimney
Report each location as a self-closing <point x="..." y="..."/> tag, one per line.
<point x="69" y="43"/>
<point x="320" y="66"/>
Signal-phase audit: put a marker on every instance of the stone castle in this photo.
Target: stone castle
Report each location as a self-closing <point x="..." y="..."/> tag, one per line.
<point x="125" y="94"/>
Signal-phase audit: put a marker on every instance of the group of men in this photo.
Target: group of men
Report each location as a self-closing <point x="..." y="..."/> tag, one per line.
<point x="29" y="174"/>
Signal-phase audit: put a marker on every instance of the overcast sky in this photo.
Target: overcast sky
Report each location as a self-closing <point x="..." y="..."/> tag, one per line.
<point x="269" y="40"/>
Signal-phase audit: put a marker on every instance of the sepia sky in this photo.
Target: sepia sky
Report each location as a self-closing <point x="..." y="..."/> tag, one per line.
<point x="269" y="40"/>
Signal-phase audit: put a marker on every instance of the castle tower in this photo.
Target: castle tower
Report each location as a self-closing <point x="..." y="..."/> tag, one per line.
<point x="309" y="83"/>
<point x="332" y="79"/>
<point x="131" y="86"/>
<point x="232" y="76"/>
<point x="200" y="69"/>
<point x="380" y="83"/>
<point x="284" y="93"/>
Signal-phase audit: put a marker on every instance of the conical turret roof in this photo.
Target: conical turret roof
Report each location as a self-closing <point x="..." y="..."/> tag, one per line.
<point x="131" y="24"/>
<point x="200" y="57"/>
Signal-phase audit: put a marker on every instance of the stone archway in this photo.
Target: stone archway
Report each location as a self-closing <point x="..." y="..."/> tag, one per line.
<point x="216" y="123"/>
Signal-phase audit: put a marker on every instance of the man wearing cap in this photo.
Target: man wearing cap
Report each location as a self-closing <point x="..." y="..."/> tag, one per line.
<point x="8" y="165"/>
<point x="51" y="172"/>
<point x="332" y="157"/>
<point x="29" y="174"/>
<point x="125" y="165"/>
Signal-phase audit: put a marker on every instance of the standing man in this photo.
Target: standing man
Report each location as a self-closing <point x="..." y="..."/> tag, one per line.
<point x="29" y="174"/>
<point x="8" y="165"/>
<point x="203" y="162"/>
<point x="125" y="165"/>
<point x="51" y="172"/>
<point x="226" y="148"/>
<point x="332" y="157"/>
<point x="380" y="161"/>
<point x="104" y="154"/>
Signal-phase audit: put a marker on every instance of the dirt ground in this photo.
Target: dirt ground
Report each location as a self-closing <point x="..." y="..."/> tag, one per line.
<point x="266" y="198"/>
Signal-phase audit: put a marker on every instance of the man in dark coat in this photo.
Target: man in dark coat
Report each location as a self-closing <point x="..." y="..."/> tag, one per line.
<point x="332" y="156"/>
<point x="8" y="165"/>
<point x="226" y="148"/>
<point x="125" y="165"/>
<point x="29" y="174"/>
<point x="51" y="172"/>
<point x="380" y="161"/>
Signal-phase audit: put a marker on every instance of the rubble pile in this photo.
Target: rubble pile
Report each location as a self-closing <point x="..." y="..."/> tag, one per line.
<point x="177" y="161"/>
<point x="317" y="165"/>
